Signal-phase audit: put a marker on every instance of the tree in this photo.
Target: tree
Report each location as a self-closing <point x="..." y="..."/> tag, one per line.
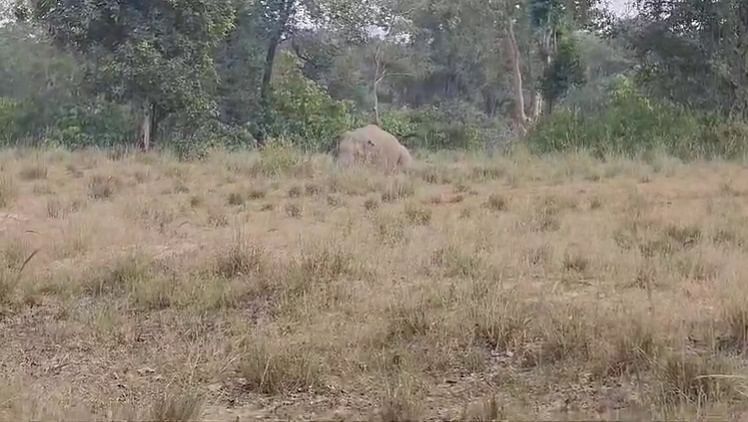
<point x="694" y="52"/>
<point x="564" y="72"/>
<point x="282" y="18"/>
<point x="154" y="55"/>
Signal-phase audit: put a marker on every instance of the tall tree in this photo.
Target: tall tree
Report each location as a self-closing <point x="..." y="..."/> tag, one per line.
<point x="281" y="19"/>
<point x="695" y="52"/>
<point x="154" y="55"/>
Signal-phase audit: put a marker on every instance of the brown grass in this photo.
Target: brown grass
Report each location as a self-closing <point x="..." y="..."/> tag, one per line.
<point x="272" y="285"/>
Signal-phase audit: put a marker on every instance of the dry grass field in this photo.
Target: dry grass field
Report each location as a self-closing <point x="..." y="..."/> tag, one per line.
<point x="275" y="286"/>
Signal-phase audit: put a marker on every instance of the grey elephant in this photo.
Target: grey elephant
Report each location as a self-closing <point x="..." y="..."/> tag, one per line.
<point x="371" y="145"/>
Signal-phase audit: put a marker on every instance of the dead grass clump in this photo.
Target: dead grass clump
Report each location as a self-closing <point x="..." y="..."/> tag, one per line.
<point x="293" y="210"/>
<point x="564" y="332"/>
<point x="487" y="173"/>
<point x="118" y="276"/>
<point x="206" y="293"/>
<point x="257" y="192"/>
<point x="42" y="189"/>
<point x="400" y="402"/>
<point x="353" y="181"/>
<point x="217" y="218"/>
<point x="14" y="253"/>
<point x="102" y="187"/>
<point x="73" y="170"/>
<point x="496" y="202"/>
<point x="196" y="201"/>
<point x="294" y="191"/>
<point x="632" y="346"/>
<point x="444" y="198"/>
<point x="152" y="293"/>
<point x="633" y="232"/>
<point x="729" y="237"/>
<point x="240" y="258"/>
<point x="322" y="263"/>
<point x="669" y="240"/>
<point x="274" y="366"/>
<point x="235" y="199"/>
<point x="457" y="262"/>
<point x="371" y="204"/>
<point x="432" y="175"/>
<point x="545" y="219"/>
<point x="334" y="200"/>
<point x="688" y="378"/>
<point x="8" y="284"/>
<point x="180" y="406"/>
<point x="398" y="188"/>
<point x="408" y="320"/>
<point x="152" y="214"/>
<point x="34" y="171"/>
<point x="417" y="215"/>
<point x="76" y="241"/>
<point x="486" y="410"/>
<point x="461" y="186"/>
<point x="538" y="256"/>
<point x="547" y="212"/>
<point x="277" y="159"/>
<point x="55" y="209"/>
<point x="118" y="152"/>
<point x="312" y="189"/>
<point x="684" y="236"/>
<point x="8" y="191"/>
<point x="390" y="228"/>
<point x="141" y="176"/>
<point x="646" y="276"/>
<point x="575" y="261"/>
<point x="698" y="268"/>
<point x="499" y="322"/>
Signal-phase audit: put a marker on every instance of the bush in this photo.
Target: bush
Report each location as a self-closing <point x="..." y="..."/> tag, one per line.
<point x="8" y="118"/>
<point x="448" y="126"/>
<point x="302" y="111"/>
<point x="631" y="124"/>
<point x="91" y="123"/>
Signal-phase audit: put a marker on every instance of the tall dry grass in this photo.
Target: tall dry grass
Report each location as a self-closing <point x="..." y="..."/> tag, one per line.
<point x="469" y="288"/>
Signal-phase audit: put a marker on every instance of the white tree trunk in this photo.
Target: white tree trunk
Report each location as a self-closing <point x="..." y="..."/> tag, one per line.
<point x="146" y="127"/>
<point x="520" y="116"/>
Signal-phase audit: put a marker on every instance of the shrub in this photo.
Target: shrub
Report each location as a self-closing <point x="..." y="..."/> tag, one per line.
<point x="302" y="111"/>
<point x="447" y="126"/>
<point x="631" y="124"/>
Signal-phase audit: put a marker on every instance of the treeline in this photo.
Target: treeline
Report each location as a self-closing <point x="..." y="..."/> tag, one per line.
<point x="439" y="74"/>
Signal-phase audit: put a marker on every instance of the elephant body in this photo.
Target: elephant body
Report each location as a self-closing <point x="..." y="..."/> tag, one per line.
<point x="372" y="146"/>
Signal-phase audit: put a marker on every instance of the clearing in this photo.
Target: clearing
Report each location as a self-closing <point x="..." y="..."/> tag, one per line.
<point x="274" y="286"/>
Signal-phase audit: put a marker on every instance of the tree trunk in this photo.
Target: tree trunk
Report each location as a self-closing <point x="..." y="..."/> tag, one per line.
<point x="547" y="50"/>
<point x="520" y="116"/>
<point x="379" y="74"/>
<point x="537" y="105"/>
<point x="146" y="127"/>
<point x="267" y="75"/>
<point x="377" y="120"/>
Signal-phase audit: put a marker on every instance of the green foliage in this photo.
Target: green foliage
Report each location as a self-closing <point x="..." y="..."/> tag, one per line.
<point x="95" y="123"/>
<point x="8" y="120"/>
<point x="453" y="126"/>
<point x="566" y="71"/>
<point x="151" y="54"/>
<point x="302" y="111"/>
<point x="631" y="124"/>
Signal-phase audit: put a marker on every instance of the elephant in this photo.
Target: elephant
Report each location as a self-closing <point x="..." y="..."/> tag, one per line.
<point x="372" y="145"/>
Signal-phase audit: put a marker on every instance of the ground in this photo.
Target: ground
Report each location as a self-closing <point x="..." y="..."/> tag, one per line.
<point x="274" y="285"/>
